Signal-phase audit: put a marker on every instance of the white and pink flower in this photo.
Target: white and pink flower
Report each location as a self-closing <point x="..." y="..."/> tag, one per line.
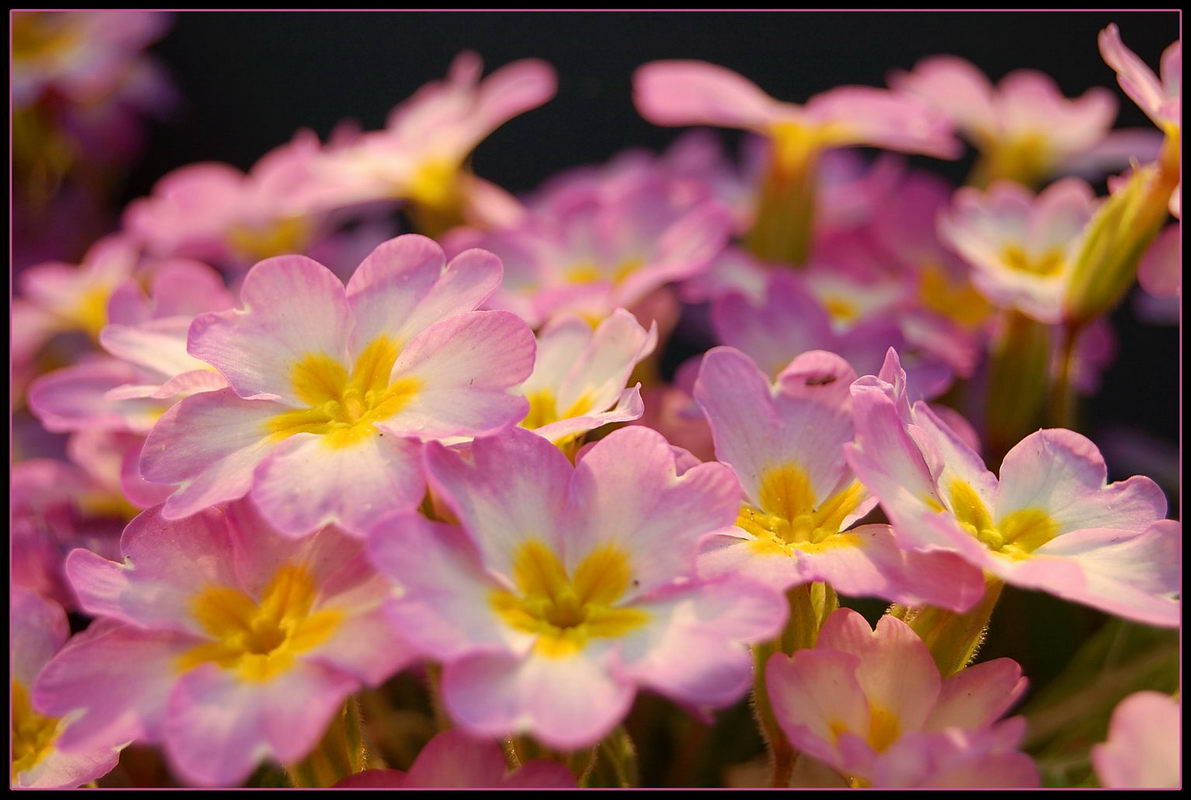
<point x="1050" y="522"/>
<point x="220" y="639"/>
<point x="567" y="588"/>
<point x="872" y="705"/>
<point x="332" y="390"/>
<point x="39" y="630"/>
<point x="578" y="380"/>
<point x="785" y="442"/>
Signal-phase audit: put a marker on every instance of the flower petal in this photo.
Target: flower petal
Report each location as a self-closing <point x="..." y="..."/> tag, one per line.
<point x="565" y="703"/>
<point x="294" y="307"/>
<point x="308" y="482"/>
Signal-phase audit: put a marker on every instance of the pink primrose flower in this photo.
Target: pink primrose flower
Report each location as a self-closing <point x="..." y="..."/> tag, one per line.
<point x="221" y="639"/>
<point x="332" y="390"/>
<point x="679" y="93"/>
<point x="1021" y="247"/>
<point x="567" y="588"/>
<point x="216" y="213"/>
<point x="579" y="377"/>
<point x="1024" y="127"/>
<point x="601" y="239"/>
<point x="39" y="629"/>
<point x="785" y="442"/>
<point x="871" y="704"/>
<point x="420" y="155"/>
<point x="148" y="368"/>
<point x="1049" y="522"/>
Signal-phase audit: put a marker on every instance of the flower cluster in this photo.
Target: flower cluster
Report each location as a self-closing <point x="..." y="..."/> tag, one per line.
<point x="348" y="506"/>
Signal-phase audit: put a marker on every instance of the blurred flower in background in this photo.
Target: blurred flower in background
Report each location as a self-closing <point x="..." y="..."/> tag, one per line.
<point x="81" y="86"/>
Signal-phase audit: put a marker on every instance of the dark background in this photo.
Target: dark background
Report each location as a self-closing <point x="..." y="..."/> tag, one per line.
<point x="249" y="80"/>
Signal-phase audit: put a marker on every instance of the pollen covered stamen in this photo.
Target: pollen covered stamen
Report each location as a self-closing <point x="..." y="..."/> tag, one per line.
<point x="33" y="735"/>
<point x="790" y="518"/>
<point x="260" y="640"/>
<point x="566" y="611"/>
<point x="343" y="407"/>
<point x="1044" y="266"/>
<point x="1016" y="535"/>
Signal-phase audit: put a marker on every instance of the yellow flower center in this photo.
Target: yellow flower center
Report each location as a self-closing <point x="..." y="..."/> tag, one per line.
<point x="543" y="409"/>
<point x="260" y="640"/>
<point x="796" y="144"/>
<point x="883" y="728"/>
<point x="287" y="235"/>
<point x="434" y="184"/>
<point x="791" y="520"/>
<point x="342" y="407"/>
<point x="840" y="308"/>
<point x="960" y="302"/>
<point x="1026" y="159"/>
<point x="33" y="735"/>
<point x="91" y="312"/>
<point x="590" y="272"/>
<point x="1044" y="266"/>
<point x="566" y="611"/>
<point x="1015" y="535"/>
<point x="583" y="272"/>
<point x="37" y="35"/>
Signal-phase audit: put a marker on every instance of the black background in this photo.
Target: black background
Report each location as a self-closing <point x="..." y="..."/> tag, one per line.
<point x="249" y="80"/>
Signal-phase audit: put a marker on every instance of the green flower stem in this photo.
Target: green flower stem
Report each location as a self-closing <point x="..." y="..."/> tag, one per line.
<point x="785" y="213"/>
<point x="339" y="754"/>
<point x="1019" y="372"/>
<point x="1062" y="395"/>
<point x="781" y="754"/>
<point x="809" y="604"/>
<point x="952" y="638"/>
<point x="616" y="761"/>
<point x="442" y="721"/>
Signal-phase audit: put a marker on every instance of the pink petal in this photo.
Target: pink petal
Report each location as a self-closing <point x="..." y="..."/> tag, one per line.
<point x="958" y="760"/>
<point x="306" y="483"/>
<point x="452" y="759"/>
<point x="77" y="398"/>
<point x="1133" y="575"/>
<point x="443" y="609"/>
<point x="118" y="677"/>
<point x="39" y="629"/>
<point x="978" y="696"/>
<point x="565" y="703"/>
<point x="716" y="619"/>
<point x="814" y="694"/>
<point x="1063" y="473"/>
<point x="627" y="493"/>
<point x="511" y="489"/>
<point x="698" y="93"/>
<point x="209" y="443"/>
<point x="219" y="727"/>
<point x="1142" y="751"/>
<point x="167" y="563"/>
<point x="465" y="367"/>
<point x="293" y="307"/>
<point x="405" y="285"/>
<point x="1161" y="270"/>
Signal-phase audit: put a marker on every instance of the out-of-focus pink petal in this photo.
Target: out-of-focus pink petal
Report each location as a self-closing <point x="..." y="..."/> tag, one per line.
<point x="698" y="93"/>
<point x="1142" y="751"/>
